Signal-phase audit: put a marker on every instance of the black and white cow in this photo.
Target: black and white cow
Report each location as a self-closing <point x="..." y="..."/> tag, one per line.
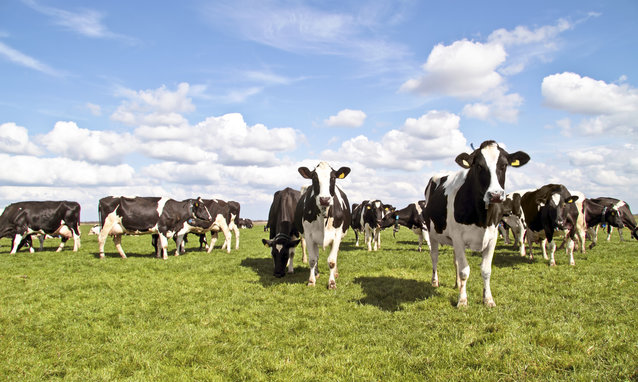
<point x="21" y="220"/>
<point x="149" y="215"/>
<point x="284" y="235"/>
<point x="411" y="217"/>
<point x="548" y="209"/>
<point x="599" y="211"/>
<point x="463" y="209"/>
<point x="366" y="219"/>
<point x="514" y="218"/>
<point x="323" y="216"/>
<point x="245" y="223"/>
<point x="626" y="216"/>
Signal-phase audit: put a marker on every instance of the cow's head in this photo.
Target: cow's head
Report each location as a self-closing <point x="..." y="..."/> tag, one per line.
<point x="487" y="165"/>
<point x="557" y="207"/>
<point x="199" y="210"/>
<point x="323" y="182"/>
<point x="374" y="212"/>
<point x="390" y="217"/>
<point x="281" y="247"/>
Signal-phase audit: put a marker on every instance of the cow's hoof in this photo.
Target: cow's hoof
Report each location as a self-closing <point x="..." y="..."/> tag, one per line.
<point x="462" y="303"/>
<point x="311" y="283"/>
<point x="552" y="263"/>
<point x="332" y="285"/>
<point x="489" y="303"/>
<point x="435" y="283"/>
<point x="101" y="255"/>
<point x="572" y="263"/>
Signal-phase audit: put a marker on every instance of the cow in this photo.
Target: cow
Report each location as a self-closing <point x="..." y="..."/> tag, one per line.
<point x="367" y="218"/>
<point x="222" y="220"/>
<point x="463" y="209"/>
<point x="626" y="216"/>
<point x="514" y="218"/>
<point x="245" y="223"/>
<point x="323" y="216"/>
<point x="548" y="209"/>
<point x="284" y="235"/>
<point x="599" y="212"/>
<point x="149" y="215"/>
<point x="411" y="217"/>
<point x="21" y="220"/>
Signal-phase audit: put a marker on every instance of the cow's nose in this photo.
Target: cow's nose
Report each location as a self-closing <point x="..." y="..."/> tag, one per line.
<point x="497" y="196"/>
<point x="324" y="201"/>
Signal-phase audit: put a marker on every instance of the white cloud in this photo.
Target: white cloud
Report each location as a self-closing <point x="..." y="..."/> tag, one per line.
<point x="433" y="136"/>
<point x="522" y="35"/>
<point x="68" y="140"/>
<point x="498" y="106"/>
<point x="612" y="107"/>
<point x="96" y="110"/>
<point x="464" y="69"/>
<point x="22" y="59"/>
<point x="14" y="139"/>
<point x="347" y="118"/>
<point x="34" y="171"/>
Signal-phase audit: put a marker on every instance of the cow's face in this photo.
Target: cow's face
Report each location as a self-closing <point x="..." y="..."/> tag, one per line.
<point x="614" y="218"/>
<point x="487" y="166"/>
<point x="199" y="210"/>
<point x="281" y="247"/>
<point x="557" y="208"/>
<point x="389" y="218"/>
<point x="373" y="213"/>
<point x="323" y="182"/>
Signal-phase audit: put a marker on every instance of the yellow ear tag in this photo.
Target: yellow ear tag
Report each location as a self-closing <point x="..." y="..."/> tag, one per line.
<point x="516" y="163"/>
<point x="368" y="207"/>
<point x="466" y="163"/>
<point x="341" y="176"/>
<point x="266" y="245"/>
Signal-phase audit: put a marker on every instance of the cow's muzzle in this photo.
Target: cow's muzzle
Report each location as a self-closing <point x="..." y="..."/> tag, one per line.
<point x="496" y="196"/>
<point x="324" y="201"/>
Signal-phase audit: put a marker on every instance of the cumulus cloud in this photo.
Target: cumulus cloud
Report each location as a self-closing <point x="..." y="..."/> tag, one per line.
<point x="433" y="136"/>
<point x="14" y="139"/>
<point x="347" y="118"/>
<point x="499" y="106"/>
<point x="68" y="140"/>
<point x="464" y="69"/>
<point x="609" y="107"/>
<point x="35" y="171"/>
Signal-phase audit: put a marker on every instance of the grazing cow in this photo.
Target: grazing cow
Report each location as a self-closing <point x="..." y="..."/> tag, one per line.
<point x="323" y="216"/>
<point x="598" y="212"/>
<point x="284" y="236"/>
<point x="463" y="209"/>
<point x="367" y="218"/>
<point x="625" y="214"/>
<point x="221" y="220"/>
<point x="149" y="215"/>
<point x="548" y="209"/>
<point x="21" y="220"/>
<point x="245" y="223"/>
<point x="411" y="217"/>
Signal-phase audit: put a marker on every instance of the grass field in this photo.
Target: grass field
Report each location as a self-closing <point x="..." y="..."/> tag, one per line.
<point x="222" y="316"/>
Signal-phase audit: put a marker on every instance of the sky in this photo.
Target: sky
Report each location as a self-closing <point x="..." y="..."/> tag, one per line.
<point x="227" y="99"/>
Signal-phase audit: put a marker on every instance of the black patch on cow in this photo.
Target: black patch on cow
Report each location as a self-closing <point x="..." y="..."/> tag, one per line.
<point x="436" y="204"/>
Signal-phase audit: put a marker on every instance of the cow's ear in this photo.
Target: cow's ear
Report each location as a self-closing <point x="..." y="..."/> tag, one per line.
<point x="267" y="243"/>
<point x="305" y="172"/>
<point x="517" y="159"/>
<point x="572" y="199"/>
<point x="294" y="243"/>
<point x="464" y="160"/>
<point x="342" y="172"/>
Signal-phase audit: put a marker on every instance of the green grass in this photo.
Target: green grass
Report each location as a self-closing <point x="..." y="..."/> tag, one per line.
<point x="222" y="316"/>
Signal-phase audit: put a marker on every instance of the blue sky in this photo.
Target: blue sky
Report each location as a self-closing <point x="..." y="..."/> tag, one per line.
<point x="226" y="99"/>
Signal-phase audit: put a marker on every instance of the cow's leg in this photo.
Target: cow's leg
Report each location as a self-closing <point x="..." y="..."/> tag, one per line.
<point x="504" y="232"/>
<point x="76" y="242"/>
<point x="62" y="242"/>
<point x="304" y="250"/>
<point x="356" y="238"/>
<point x="179" y="244"/>
<point x="570" y="251"/>
<point x="377" y="234"/>
<point x="117" y="240"/>
<point x="434" y="255"/>
<point x="109" y="223"/>
<point x="610" y="229"/>
<point x="291" y="256"/>
<point x="544" y="247"/>
<point x="620" y="234"/>
<point x="530" y="244"/>
<point x="368" y="237"/>
<point x="552" y="250"/>
<point x="332" y="262"/>
<point x="16" y="242"/>
<point x="593" y="236"/>
<point x="463" y="273"/>
<point x="236" y="230"/>
<point x="163" y="241"/>
<point x="213" y="240"/>
<point x="486" y="273"/>
<point x="313" y="258"/>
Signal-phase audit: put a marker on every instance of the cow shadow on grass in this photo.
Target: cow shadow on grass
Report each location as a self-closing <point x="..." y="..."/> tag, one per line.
<point x="264" y="268"/>
<point x="389" y="293"/>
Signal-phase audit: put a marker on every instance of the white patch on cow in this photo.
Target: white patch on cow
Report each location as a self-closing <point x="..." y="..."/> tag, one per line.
<point x="556" y="199"/>
<point x="323" y="171"/>
<point x="619" y="205"/>
<point x="419" y="210"/>
<point x="491" y="154"/>
<point x="278" y="247"/>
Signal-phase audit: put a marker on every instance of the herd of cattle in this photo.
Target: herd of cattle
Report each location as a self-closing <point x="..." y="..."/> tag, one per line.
<point x="465" y="209"/>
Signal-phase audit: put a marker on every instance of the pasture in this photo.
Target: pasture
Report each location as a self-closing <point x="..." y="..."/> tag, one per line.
<point x="222" y="316"/>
